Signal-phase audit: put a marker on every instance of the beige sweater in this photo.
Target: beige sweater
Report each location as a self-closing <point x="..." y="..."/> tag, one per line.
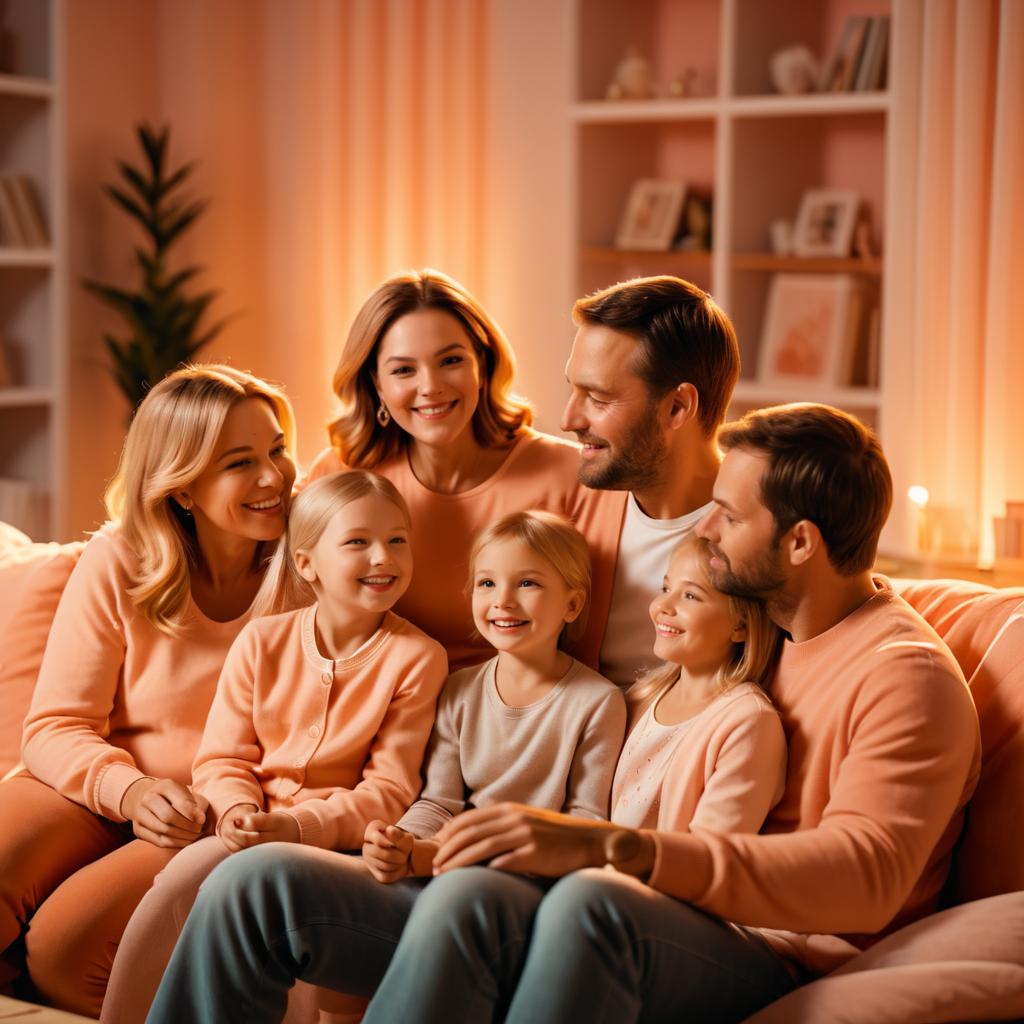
<point x="558" y="753"/>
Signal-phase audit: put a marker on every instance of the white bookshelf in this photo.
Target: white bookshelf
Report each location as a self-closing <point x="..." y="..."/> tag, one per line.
<point x="755" y="151"/>
<point x="33" y="280"/>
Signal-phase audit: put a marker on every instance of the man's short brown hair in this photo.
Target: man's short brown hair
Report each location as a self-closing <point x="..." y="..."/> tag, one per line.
<point x="684" y="337"/>
<point x="824" y="466"/>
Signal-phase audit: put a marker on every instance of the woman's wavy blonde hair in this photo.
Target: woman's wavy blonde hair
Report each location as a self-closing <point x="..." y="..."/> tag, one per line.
<point x="359" y="440"/>
<point x="557" y="541"/>
<point x="750" y="661"/>
<point x="284" y="587"/>
<point x="171" y="441"/>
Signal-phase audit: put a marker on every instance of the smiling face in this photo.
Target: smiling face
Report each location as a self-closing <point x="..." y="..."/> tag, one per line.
<point x="520" y="602"/>
<point x="362" y="561"/>
<point x="746" y="557"/>
<point x="245" y="490"/>
<point x="612" y="413"/>
<point x="428" y="376"/>
<point x="693" y="621"/>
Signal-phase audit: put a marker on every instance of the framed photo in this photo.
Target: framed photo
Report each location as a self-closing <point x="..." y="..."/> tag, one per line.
<point x="810" y="329"/>
<point x="825" y="223"/>
<point x="651" y="217"/>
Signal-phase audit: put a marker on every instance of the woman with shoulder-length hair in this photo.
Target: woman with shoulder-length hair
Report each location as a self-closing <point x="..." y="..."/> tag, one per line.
<point x="425" y="387"/>
<point x="130" y="670"/>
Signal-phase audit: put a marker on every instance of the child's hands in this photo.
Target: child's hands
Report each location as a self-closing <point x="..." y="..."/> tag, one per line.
<point x="256" y="827"/>
<point x="232" y="833"/>
<point x="387" y="851"/>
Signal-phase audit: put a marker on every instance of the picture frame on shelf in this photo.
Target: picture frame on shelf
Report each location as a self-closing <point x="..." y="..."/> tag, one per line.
<point x="825" y="223"/>
<point x="810" y="330"/>
<point x="651" y="218"/>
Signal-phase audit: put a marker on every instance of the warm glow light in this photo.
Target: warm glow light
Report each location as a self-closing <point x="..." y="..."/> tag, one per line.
<point x="918" y="495"/>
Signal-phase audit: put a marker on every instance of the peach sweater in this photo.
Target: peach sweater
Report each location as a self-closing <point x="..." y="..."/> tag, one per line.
<point x="118" y="700"/>
<point x="884" y="754"/>
<point x="722" y="770"/>
<point x="333" y="743"/>
<point x="540" y="472"/>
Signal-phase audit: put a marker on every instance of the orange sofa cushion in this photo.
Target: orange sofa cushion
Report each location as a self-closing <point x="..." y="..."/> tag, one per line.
<point x="984" y="628"/>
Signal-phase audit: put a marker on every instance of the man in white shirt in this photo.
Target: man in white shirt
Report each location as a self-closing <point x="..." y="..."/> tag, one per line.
<point x="652" y="370"/>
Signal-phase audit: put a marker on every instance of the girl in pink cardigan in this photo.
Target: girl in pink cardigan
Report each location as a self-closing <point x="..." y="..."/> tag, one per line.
<point x="706" y="749"/>
<point x="321" y="714"/>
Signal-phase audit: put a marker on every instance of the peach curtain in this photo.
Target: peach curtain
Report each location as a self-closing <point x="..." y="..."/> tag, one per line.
<point x="343" y="140"/>
<point x="955" y="279"/>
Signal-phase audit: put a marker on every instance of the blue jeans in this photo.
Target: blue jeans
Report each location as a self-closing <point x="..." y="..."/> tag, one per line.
<point x="274" y="914"/>
<point x="598" y="946"/>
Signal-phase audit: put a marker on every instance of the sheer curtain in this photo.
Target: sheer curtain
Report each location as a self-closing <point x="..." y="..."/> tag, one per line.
<point x="954" y="363"/>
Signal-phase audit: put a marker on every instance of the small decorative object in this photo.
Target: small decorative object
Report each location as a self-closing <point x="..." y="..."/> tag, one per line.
<point x="824" y="225"/>
<point x="696" y="224"/>
<point x="794" y="71"/>
<point x="780" y="231"/>
<point x="633" y="78"/>
<point x="684" y="85"/>
<point x="810" y="329"/>
<point x="863" y="246"/>
<point x="651" y="217"/>
<point x="164" y="321"/>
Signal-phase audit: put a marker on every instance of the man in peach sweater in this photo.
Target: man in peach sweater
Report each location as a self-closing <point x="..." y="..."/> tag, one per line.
<point x="884" y="755"/>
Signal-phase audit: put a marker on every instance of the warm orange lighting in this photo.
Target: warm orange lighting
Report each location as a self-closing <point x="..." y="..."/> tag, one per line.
<point x="918" y="495"/>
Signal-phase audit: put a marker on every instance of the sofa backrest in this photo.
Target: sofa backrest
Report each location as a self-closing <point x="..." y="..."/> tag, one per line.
<point x="984" y="628"/>
<point x="32" y="578"/>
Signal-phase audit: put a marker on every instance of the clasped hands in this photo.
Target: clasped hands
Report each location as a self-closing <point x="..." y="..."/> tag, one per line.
<point x="511" y="837"/>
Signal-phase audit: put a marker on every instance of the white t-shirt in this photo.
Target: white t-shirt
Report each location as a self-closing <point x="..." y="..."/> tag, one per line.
<point x="645" y="546"/>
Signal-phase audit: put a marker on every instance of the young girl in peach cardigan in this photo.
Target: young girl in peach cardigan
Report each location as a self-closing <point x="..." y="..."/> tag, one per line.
<point x="706" y="749"/>
<point x="321" y="714"/>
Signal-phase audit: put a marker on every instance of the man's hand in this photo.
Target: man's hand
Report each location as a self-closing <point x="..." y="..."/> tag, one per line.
<point x="523" y="839"/>
<point x="164" y="812"/>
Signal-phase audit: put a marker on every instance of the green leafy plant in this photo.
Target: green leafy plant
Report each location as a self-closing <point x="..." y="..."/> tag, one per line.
<point x="164" y="321"/>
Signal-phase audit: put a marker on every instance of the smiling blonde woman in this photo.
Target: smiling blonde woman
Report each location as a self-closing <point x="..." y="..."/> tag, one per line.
<point x="130" y="670"/>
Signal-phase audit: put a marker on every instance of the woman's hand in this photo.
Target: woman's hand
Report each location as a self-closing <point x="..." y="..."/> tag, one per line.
<point x="245" y="825"/>
<point x="524" y="839"/>
<point x="164" y="812"/>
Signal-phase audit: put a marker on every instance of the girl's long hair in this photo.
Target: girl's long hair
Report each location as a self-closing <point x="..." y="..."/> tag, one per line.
<point x="170" y="442"/>
<point x="558" y="542"/>
<point x="356" y="436"/>
<point x="750" y="661"/>
<point x="283" y="587"/>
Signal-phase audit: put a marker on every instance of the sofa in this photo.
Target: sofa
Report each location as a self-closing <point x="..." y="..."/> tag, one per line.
<point x="964" y="963"/>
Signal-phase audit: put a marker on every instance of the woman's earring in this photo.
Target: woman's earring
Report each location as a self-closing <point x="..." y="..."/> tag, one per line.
<point x="383" y="416"/>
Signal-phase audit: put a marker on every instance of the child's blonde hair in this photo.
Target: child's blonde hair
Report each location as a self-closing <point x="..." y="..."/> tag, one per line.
<point x="170" y="442"/>
<point x="750" y="660"/>
<point x="557" y="541"/>
<point x="283" y="587"/>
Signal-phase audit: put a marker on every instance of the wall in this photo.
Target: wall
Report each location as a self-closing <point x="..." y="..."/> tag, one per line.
<point x="338" y="142"/>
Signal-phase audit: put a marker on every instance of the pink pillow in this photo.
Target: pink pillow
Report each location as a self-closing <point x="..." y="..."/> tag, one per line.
<point x="966" y="963"/>
<point x="31" y="582"/>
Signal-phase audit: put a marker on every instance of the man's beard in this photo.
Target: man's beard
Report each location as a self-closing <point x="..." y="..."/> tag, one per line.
<point x="639" y="463"/>
<point x="762" y="580"/>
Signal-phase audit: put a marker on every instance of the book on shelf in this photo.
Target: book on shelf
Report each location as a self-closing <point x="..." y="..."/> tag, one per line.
<point x="22" y="225"/>
<point x="858" y="63"/>
<point x="6" y="373"/>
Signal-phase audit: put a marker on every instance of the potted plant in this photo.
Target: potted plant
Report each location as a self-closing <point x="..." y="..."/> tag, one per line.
<point x="165" y="323"/>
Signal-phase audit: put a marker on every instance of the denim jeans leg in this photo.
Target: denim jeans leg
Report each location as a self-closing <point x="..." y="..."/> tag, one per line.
<point x="461" y="951"/>
<point x="274" y="914"/>
<point x="607" y="948"/>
